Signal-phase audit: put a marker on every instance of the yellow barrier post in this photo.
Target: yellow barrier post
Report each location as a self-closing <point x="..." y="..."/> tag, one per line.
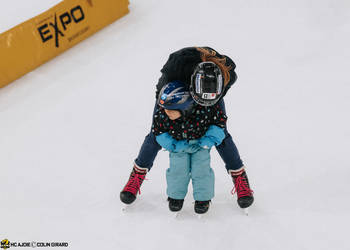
<point x="34" y="42"/>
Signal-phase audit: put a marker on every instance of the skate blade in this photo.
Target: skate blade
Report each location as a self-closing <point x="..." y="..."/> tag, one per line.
<point x="175" y="215"/>
<point x="245" y="211"/>
<point x="125" y="208"/>
<point x="201" y="216"/>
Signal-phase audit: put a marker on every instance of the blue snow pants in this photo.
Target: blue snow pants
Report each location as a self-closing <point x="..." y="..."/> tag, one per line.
<point x="227" y="149"/>
<point x="189" y="165"/>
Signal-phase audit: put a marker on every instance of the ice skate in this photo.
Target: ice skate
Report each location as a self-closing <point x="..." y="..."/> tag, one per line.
<point x="201" y="207"/>
<point x="129" y="193"/>
<point x="175" y="215"/>
<point x="241" y="186"/>
<point x="175" y="205"/>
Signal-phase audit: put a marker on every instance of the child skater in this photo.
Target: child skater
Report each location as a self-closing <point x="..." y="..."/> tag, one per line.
<point x="188" y="137"/>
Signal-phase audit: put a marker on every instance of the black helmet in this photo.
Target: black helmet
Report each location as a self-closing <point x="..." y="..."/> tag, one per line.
<point x="206" y="84"/>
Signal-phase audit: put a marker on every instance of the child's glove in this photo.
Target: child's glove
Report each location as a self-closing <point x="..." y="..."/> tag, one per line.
<point x="212" y="137"/>
<point x="166" y="141"/>
<point x="206" y="143"/>
<point x="193" y="148"/>
<point x="185" y="146"/>
<point x="180" y="146"/>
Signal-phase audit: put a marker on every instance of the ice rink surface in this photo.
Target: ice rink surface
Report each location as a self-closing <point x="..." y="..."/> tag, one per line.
<point x="70" y="130"/>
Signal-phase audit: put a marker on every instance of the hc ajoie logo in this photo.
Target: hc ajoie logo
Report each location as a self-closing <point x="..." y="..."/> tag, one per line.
<point x="75" y="15"/>
<point x="5" y="244"/>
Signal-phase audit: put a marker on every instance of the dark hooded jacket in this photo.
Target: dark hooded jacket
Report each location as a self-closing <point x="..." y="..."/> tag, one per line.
<point x="182" y="63"/>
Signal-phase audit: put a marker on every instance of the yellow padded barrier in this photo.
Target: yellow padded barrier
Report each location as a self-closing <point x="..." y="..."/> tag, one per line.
<point x="34" y="42"/>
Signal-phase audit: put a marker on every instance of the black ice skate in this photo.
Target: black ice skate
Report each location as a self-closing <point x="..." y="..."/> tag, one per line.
<point x="244" y="193"/>
<point x="175" y="205"/>
<point x="129" y="193"/>
<point x="201" y="207"/>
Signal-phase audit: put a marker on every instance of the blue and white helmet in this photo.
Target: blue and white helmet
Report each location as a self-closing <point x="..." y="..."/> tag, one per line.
<point x="175" y="96"/>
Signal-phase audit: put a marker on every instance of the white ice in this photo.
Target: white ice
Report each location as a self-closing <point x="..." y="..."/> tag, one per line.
<point x="70" y="130"/>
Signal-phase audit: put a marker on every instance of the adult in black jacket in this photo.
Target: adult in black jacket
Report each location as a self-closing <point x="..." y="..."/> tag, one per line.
<point x="180" y="66"/>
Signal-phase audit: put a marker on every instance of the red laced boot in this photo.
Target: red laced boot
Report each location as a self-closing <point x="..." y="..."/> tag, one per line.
<point x="244" y="193"/>
<point x="129" y="193"/>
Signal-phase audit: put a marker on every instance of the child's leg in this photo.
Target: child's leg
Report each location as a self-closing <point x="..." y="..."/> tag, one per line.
<point x="202" y="175"/>
<point x="178" y="175"/>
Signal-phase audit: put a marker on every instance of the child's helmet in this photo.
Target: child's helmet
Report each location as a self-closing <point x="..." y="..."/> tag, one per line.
<point x="175" y="96"/>
<point x="207" y="84"/>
